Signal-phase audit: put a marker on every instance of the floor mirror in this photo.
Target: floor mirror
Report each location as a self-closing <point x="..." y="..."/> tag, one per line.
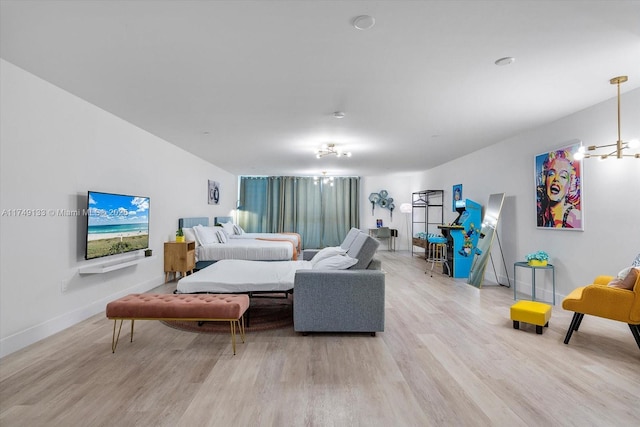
<point x="487" y="234"/>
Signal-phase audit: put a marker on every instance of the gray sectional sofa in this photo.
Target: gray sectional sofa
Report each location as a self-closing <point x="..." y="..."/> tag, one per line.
<point x="349" y="300"/>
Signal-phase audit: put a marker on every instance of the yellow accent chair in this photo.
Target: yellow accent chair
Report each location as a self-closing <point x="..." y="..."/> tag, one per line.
<point x="601" y="300"/>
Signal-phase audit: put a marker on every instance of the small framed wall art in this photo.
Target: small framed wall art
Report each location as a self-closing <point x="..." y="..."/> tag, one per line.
<point x="214" y="192"/>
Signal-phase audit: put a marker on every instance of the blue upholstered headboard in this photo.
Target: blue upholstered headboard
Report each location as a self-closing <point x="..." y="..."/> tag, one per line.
<point x="191" y="222"/>
<point x="222" y="219"/>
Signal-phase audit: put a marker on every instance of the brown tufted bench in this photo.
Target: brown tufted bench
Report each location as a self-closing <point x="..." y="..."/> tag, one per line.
<point x="190" y="307"/>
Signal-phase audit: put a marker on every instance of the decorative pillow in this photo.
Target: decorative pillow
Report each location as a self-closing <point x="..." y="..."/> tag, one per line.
<point x="228" y="228"/>
<point x="219" y="228"/>
<point x="237" y="229"/>
<point x="636" y="262"/>
<point x="625" y="279"/>
<point x="205" y="235"/>
<point x="190" y="235"/>
<point x="195" y="232"/>
<point x="327" y="253"/>
<point x="335" y="262"/>
<point x="222" y="236"/>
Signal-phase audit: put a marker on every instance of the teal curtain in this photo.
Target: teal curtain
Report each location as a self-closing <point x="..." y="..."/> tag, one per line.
<point x="340" y="210"/>
<point x="309" y="218"/>
<point x="252" y="207"/>
<point x="321" y="213"/>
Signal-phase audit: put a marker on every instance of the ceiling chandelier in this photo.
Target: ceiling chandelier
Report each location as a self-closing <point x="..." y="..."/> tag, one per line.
<point x="619" y="145"/>
<point x="329" y="150"/>
<point x="324" y="178"/>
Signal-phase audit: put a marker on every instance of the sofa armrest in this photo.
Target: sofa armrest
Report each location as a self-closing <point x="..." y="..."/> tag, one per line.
<point x="339" y="300"/>
<point x="602" y="301"/>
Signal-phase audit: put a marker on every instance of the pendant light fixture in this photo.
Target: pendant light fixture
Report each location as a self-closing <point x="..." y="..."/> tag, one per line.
<point x="622" y="148"/>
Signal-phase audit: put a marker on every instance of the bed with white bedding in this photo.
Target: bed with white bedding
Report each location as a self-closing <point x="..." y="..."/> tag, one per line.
<point x="235" y="232"/>
<point x="241" y="276"/>
<point x="249" y="249"/>
<point x="212" y="244"/>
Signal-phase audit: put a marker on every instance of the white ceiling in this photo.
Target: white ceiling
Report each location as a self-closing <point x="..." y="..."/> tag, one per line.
<point x="251" y="85"/>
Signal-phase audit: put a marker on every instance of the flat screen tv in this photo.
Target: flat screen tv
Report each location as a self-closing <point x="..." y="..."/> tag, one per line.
<point x="116" y="224"/>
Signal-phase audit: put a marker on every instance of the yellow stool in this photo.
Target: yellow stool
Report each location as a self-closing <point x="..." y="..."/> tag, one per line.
<point x="532" y="312"/>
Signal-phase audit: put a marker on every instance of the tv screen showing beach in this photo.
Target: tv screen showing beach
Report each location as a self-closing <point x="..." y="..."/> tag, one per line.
<point x="116" y="224"/>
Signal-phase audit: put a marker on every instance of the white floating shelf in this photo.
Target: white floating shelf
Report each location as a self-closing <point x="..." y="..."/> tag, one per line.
<point x="113" y="265"/>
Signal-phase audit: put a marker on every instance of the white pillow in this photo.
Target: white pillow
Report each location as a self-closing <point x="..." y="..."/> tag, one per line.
<point x="237" y="229"/>
<point x="228" y="228"/>
<point x="195" y="233"/>
<point x="189" y="235"/>
<point x="327" y="253"/>
<point x="222" y="236"/>
<point x="336" y="262"/>
<point x="205" y="235"/>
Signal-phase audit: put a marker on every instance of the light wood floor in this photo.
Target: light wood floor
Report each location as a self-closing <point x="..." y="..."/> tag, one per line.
<point x="449" y="356"/>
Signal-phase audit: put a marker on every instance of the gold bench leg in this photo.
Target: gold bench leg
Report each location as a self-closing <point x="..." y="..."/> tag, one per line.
<point x="241" y="327"/>
<point x="132" y="322"/>
<point x="114" y="338"/>
<point x="232" y="325"/>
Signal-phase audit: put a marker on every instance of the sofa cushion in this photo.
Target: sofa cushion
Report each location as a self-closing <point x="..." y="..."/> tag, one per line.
<point x="363" y="249"/>
<point x="349" y="238"/>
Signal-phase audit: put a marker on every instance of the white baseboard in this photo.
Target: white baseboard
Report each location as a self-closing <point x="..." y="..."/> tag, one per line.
<point x="39" y="332"/>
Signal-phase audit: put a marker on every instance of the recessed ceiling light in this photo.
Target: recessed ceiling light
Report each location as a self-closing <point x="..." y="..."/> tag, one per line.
<point x="364" y="22"/>
<point x="507" y="60"/>
<point x="339" y="115"/>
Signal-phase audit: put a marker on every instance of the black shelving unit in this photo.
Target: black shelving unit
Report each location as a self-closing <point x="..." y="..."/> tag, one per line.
<point x="427" y="212"/>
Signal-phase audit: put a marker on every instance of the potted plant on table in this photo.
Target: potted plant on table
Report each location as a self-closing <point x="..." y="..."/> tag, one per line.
<point x="179" y="235"/>
<point x="538" y="259"/>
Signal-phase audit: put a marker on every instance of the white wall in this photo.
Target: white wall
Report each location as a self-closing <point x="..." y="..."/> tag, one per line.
<point x="54" y="148"/>
<point x="611" y="238"/>
<point x="399" y="186"/>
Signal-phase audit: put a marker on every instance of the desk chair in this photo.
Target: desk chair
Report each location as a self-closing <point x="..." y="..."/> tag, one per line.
<point x="384" y="233"/>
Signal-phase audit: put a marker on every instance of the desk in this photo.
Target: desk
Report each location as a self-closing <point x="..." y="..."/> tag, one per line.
<point x="533" y="278"/>
<point x="373" y="232"/>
